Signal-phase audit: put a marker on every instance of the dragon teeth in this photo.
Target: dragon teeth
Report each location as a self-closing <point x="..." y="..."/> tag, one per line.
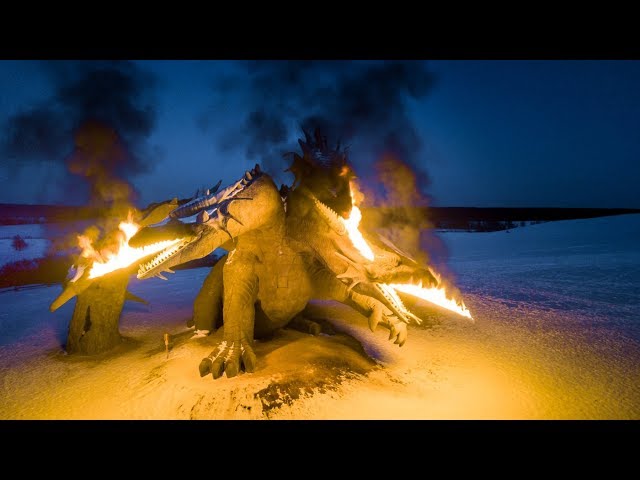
<point x="161" y="258"/>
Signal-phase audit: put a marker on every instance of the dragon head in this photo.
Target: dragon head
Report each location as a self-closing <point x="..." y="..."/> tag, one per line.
<point x="219" y="218"/>
<point x="323" y="171"/>
<point x="79" y="277"/>
<point x="368" y="264"/>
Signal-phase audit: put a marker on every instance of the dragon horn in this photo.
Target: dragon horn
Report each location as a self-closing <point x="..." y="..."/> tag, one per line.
<point x="217" y="186"/>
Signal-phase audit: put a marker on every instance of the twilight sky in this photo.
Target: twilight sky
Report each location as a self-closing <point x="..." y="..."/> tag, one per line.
<point x="486" y="133"/>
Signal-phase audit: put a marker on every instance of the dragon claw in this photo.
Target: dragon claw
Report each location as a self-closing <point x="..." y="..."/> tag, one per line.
<point x="217" y="369"/>
<point x="205" y="366"/>
<point x="392" y="334"/>
<point x="232" y="367"/>
<point x="375" y="318"/>
<point x="229" y="358"/>
<point x="248" y="359"/>
<point x="397" y="329"/>
<point x="398" y="333"/>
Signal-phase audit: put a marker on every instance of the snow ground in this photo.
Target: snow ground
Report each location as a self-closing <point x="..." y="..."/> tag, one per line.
<point x="556" y="336"/>
<point x="589" y="268"/>
<point x="33" y="235"/>
<point x="39" y="239"/>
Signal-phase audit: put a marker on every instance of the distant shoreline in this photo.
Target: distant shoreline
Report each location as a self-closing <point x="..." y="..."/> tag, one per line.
<point x="481" y="219"/>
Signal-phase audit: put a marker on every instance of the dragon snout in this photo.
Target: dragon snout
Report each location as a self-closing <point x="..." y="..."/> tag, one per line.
<point x="406" y="275"/>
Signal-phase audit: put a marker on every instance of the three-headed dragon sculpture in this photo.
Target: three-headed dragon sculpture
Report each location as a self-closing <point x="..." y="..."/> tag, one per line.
<point x="285" y="247"/>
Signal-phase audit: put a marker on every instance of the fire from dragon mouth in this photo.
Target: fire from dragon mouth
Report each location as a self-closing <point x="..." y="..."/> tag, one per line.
<point x="436" y="295"/>
<point x="147" y="268"/>
<point x="122" y="255"/>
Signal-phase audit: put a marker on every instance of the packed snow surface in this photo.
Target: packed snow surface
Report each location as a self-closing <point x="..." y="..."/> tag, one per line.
<point x="557" y="335"/>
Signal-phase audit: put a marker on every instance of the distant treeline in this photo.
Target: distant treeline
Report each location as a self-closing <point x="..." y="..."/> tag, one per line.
<point x="18" y="214"/>
<point x="480" y="219"/>
<point x="443" y="218"/>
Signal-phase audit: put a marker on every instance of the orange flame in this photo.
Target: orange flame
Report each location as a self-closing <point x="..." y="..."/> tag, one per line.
<point x="124" y="255"/>
<point x="436" y="295"/>
<point x="355" y="235"/>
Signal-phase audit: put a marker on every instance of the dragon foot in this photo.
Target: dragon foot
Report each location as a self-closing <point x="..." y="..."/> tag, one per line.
<point x="228" y="357"/>
<point x="305" y="325"/>
<point x="397" y="328"/>
<point x="312" y="327"/>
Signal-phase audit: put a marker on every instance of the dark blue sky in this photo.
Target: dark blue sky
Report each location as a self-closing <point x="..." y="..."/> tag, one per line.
<point x="495" y="133"/>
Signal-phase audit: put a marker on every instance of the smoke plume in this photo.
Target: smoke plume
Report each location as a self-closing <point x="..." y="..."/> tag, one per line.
<point x="95" y="124"/>
<point x="396" y="208"/>
<point x="363" y="104"/>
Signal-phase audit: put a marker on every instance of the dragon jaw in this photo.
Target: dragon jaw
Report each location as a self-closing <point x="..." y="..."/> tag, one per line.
<point x="164" y="260"/>
<point x="369" y="277"/>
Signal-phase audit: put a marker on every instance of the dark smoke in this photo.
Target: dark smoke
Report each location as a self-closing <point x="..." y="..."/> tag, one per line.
<point x="396" y="208"/>
<point x="97" y="157"/>
<point x="365" y="106"/>
<point x="106" y="102"/>
<point x="360" y="103"/>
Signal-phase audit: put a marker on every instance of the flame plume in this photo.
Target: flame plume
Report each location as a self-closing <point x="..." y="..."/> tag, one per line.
<point x="123" y="255"/>
<point x="436" y="295"/>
